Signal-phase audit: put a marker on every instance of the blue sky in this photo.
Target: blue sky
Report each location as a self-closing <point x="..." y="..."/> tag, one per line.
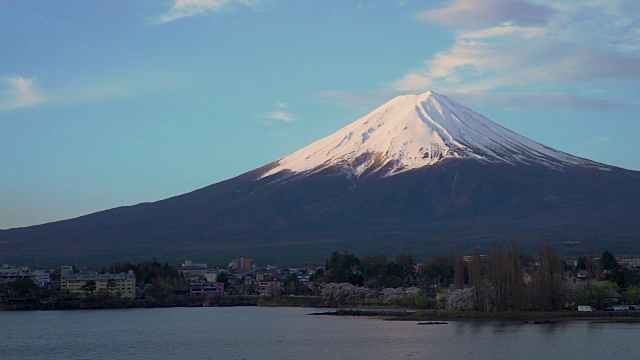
<point x="109" y="103"/>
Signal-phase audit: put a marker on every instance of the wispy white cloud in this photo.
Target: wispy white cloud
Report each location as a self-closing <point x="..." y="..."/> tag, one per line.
<point x="478" y="14"/>
<point x="279" y="115"/>
<point x="412" y="81"/>
<point x="506" y="28"/>
<point x="531" y="48"/>
<point x="526" y="55"/>
<point x="599" y="140"/>
<point x="365" y="6"/>
<point x="187" y="8"/>
<point x="539" y="100"/>
<point x="20" y="92"/>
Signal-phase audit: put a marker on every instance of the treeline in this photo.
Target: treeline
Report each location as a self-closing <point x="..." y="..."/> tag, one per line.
<point x="503" y="280"/>
<point x="377" y="272"/>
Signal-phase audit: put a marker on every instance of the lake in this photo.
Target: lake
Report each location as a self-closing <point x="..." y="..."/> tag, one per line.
<point x="289" y="333"/>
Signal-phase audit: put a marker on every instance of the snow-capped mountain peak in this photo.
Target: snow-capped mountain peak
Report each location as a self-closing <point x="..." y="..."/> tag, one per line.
<point x="416" y="130"/>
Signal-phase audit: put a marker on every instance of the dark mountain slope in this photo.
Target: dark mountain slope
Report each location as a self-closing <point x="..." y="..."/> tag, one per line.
<point x="456" y="202"/>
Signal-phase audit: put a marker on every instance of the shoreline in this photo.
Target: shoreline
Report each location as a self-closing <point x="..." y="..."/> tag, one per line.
<point x="511" y="316"/>
<point x="386" y="314"/>
<point x="181" y="301"/>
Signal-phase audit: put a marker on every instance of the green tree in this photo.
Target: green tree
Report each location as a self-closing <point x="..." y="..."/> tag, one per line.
<point x="611" y="285"/>
<point x="118" y="267"/>
<point x="111" y="285"/>
<point x="632" y="294"/>
<point x="343" y="260"/>
<point x="374" y="270"/>
<point x="162" y="278"/>
<point x="147" y="278"/>
<point x="393" y="281"/>
<point x="89" y="287"/>
<point x="343" y="267"/>
<point x="291" y="284"/>
<point x="223" y="278"/>
<point x="318" y="274"/>
<point x="598" y="294"/>
<point x="167" y="289"/>
<point x="405" y="261"/>
<point x="24" y="288"/>
<point x="608" y="261"/>
<point x="616" y="276"/>
<point x="630" y="279"/>
<point x="441" y="269"/>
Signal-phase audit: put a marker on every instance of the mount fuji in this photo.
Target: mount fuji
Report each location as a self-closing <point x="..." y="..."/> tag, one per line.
<point x="421" y="174"/>
<point x="417" y="130"/>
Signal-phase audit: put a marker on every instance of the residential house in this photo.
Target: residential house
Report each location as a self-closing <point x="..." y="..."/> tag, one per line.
<point x="267" y="287"/>
<point x="203" y="288"/>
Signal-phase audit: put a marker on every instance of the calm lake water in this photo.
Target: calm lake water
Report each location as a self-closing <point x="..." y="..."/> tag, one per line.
<point x="289" y="333"/>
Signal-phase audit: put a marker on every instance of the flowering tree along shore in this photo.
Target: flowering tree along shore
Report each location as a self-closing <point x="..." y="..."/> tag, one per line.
<point x="503" y="280"/>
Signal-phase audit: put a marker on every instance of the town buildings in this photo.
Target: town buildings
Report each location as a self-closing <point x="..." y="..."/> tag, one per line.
<point x="119" y="285"/>
<point x="10" y="273"/>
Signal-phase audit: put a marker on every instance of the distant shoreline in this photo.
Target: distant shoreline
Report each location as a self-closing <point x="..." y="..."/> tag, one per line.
<point x="513" y="316"/>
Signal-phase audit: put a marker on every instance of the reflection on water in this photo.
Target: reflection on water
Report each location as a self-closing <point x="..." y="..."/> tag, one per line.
<point x="288" y="333"/>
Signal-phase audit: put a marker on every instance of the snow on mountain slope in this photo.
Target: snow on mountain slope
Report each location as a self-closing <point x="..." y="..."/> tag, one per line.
<point x="412" y="131"/>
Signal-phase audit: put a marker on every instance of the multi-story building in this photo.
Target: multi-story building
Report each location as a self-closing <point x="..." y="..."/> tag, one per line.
<point x="193" y="271"/>
<point x="243" y="264"/>
<point x="211" y="276"/>
<point x="630" y="262"/>
<point x="122" y="285"/>
<point x="191" y="264"/>
<point x="203" y="288"/>
<point x="11" y="273"/>
<point x="8" y="274"/>
<point x="268" y="287"/>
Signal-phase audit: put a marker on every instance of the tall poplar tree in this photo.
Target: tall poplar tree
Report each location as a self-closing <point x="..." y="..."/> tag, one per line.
<point x="549" y="282"/>
<point x="475" y="280"/>
<point x="458" y="271"/>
